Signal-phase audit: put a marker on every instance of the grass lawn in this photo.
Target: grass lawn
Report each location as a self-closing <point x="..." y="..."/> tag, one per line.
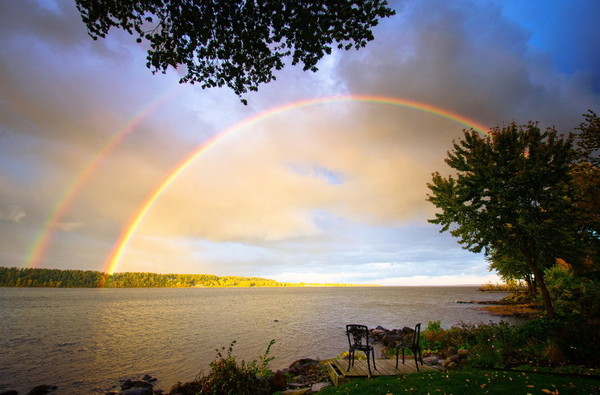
<point x="469" y="382"/>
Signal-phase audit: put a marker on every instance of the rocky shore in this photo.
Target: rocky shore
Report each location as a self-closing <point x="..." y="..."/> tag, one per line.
<point x="304" y="376"/>
<point x="515" y="305"/>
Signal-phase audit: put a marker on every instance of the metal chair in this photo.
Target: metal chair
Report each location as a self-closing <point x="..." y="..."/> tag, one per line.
<point x="413" y="346"/>
<point x="358" y="340"/>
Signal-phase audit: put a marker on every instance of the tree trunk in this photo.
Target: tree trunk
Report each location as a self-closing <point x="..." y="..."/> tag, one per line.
<point x="539" y="280"/>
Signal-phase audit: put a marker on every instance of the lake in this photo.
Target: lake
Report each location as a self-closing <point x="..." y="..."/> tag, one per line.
<point x="86" y="340"/>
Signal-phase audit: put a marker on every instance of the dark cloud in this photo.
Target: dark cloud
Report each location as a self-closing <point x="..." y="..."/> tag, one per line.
<point x="465" y="56"/>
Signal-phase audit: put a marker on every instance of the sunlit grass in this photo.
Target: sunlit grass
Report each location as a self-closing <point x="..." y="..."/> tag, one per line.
<point x="469" y="382"/>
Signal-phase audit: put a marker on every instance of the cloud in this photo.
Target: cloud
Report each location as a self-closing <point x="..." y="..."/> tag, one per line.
<point x="12" y="214"/>
<point x="465" y="56"/>
<point x="68" y="226"/>
<point x="351" y="278"/>
<point x="327" y="189"/>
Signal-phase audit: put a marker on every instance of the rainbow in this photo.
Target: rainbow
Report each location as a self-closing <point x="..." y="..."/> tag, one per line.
<point x="134" y="222"/>
<point x="40" y="244"/>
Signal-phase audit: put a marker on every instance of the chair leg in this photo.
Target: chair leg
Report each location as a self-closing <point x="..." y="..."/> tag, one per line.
<point x="369" y="362"/>
<point x="373" y="351"/>
<point x="416" y="356"/>
<point x="350" y="361"/>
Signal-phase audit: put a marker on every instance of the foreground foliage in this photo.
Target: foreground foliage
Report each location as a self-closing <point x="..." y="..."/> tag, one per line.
<point x="469" y="382"/>
<point x="238" y="44"/>
<point x="229" y="376"/>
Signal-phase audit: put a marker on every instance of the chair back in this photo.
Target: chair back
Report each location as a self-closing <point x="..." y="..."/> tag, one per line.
<point x="358" y="335"/>
<point x="416" y="335"/>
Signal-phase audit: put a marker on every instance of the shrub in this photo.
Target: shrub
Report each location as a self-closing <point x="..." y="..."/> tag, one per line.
<point x="228" y="376"/>
<point x="573" y="295"/>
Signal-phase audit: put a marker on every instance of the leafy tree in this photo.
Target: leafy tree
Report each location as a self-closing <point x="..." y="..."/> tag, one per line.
<point x="511" y="266"/>
<point x="512" y="192"/>
<point x="588" y="139"/>
<point x="236" y="43"/>
<point x="586" y="176"/>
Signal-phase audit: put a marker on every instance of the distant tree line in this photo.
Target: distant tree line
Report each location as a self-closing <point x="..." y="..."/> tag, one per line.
<point x="56" y="278"/>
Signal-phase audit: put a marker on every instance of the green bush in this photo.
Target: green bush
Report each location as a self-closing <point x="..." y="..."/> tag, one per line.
<point x="228" y="376"/>
<point x="573" y="295"/>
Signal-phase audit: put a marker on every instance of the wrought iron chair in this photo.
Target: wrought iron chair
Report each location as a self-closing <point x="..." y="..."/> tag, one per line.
<point x="358" y="340"/>
<point x="413" y="346"/>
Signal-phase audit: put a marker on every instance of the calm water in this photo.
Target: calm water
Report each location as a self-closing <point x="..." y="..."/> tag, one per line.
<point x="85" y="340"/>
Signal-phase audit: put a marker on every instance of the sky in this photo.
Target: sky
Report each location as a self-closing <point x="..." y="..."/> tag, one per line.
<point x="320" y="178"/>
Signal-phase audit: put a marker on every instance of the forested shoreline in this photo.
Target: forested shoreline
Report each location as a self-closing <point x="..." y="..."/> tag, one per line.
<point x="57" y="278"/>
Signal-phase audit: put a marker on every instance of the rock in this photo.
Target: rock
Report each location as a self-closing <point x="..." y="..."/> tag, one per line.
<point x="9" y="392"/>
<point x="450" y="359"/>
<point x="452" y="351"/>
<point x="433" y="360"/>
<point x="381" y="328"/>
<point x="391" y="337"/>
<point x="463" y="352"/>
<point x="300" y="391"/>
<point x="137" y="391"/>
<point x="303" y="365"/>
<point x="279" y="381"/>
<point x="316" y="387"/>
<point x="149" y="378"/>
<point x="128" y="384"/>
<point x="42" y="389"/>
<point x="452" y="365"/>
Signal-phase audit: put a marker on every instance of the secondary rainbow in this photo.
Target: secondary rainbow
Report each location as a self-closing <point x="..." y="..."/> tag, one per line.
<point x="40" y="244"/>
<point x="134" y="222"/>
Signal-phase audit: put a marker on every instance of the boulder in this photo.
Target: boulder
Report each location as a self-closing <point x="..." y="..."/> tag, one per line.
<point x="433" y="360"/>
<point x="42" y="389"/>
<point x="149" y="378"/>
<point x="450" y="359"/>
<point x="303" y="365"/>
<point x="279" y="381"/>
<point x="451" y="351"/>
<point x="129" y="384"/>
<point x="391" y="339"/>
<point x="316" y="387"/>
<point x="137" y="391"/>
<point x="300" y="391"/>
